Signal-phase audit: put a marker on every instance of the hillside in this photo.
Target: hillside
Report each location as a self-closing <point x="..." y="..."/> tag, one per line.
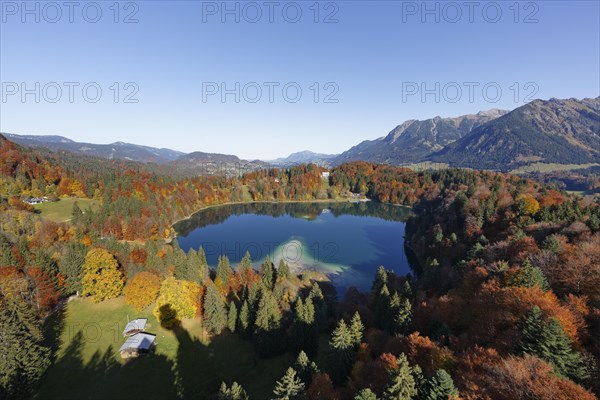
<point x="553" y="131"/>
<point x="414" y="140"/>
<point x="118" y="150"/>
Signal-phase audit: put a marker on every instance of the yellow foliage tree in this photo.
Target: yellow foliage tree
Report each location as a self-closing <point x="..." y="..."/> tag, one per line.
<point x="177" y="300"/>
<point x="141" y="290"/>
<point x="101" y="276"/>
<point x="530" y="205"/>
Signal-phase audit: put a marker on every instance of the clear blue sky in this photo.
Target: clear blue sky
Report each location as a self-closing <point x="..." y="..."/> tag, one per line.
<point x="371" y="56"/>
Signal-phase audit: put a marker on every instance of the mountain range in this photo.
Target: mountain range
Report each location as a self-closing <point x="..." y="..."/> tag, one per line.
<point x="543" y="131"/>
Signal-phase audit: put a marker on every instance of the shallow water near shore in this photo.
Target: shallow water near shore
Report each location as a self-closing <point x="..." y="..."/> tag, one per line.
<point x="346" y="241"/>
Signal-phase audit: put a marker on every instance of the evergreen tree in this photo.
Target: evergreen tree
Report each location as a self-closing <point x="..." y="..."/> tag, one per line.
<point x="178" y="260"/>
<point x="235" y="392"/>
<point x="204" y="272"/>
<point x="268" y="316"/>
<point x="71" y="267"/>
<point x="441" y="386"/>
<point x="381" y="278"/>
<point x="356" y="329"/>
<point x="304" y="330"/>
<point x="24" y="358"/>
<point x="245" y="267"/>
<point x="46" y="264"/>
<point x="6" y="255"/>
<point x="365" y="394"/>
<point x="401" y="385"/>
<point x="223" y="271"/>
<point x="401" y="315"/>
<point x="267" y="273"/>
<point x="342" y="342"/>
<point x="215" y="315"/>
<point x="530" y="276"/>
<point x="232" y="317"/>
<point x="306" y="368"/>
<point x="548" y="341"/>
<point x="407" y="290"/>
<point x="317" y="298"/>
<point x="244" y="317"/>
<point x="76" y="213"/>
<point x="382" y="308"/>
<point x="290" y="387"/>
<point x="283" y="271"/>
<point x="196" y="272"/>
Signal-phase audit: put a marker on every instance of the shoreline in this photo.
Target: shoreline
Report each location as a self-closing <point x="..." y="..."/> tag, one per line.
<point x="274" y="202"/>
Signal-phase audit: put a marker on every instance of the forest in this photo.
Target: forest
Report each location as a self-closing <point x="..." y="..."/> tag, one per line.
<point x="504" y="302"/>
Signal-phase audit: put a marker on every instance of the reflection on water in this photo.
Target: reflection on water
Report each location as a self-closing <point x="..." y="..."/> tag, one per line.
<point x="347" y="241"/>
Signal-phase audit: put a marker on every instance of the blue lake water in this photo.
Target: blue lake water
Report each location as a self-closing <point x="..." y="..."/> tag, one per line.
<point x="347" y="241"/>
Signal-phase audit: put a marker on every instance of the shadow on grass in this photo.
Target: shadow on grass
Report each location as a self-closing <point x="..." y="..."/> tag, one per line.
<point x="196" y="372"/>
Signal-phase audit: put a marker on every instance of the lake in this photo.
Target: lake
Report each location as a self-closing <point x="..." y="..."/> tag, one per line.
<point x="347" y="241"/>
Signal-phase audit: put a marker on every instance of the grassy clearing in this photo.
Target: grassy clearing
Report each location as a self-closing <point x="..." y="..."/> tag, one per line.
<point x="86" y="337"/>
<point x="60" y="211"/>
<point x="548" y="167"/>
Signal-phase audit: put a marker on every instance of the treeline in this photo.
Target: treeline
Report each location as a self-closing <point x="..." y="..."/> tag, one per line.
<point x="505" y="304"/>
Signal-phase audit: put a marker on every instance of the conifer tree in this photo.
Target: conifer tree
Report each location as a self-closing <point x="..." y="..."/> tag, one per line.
<point x="223" y="271"/>
<point x="232" y="317"/>
<point x="530" y="276"/>
<point x="342" y="341"/>
<point x="194" y="268"/>
<point x="283" y="271"/>
<point x="365" y="394"/>
<point x="290" y="387"/>
<point x="215" y="315"/>
<point x="306" y="368"/>
<point x="24" y="358"/>
<point x="71" y="267"/>
<point x="245" y="267"/>
<point x="356" y="329"/>
<point x="267" y="273"/>
<point x="548" y="341"/>
<point x="203" y="263"/>
<point x="304" y="330"/>
<point x="401" y="315"/>
<point x="235" y="392"/>
<point x="244" y="317"/>
<point x="382" y="308"/>
<point x="401" y="384"/>
<point x="441" y="386"/>
<point x="381" y="278"/>
<point x="268" y="315"/>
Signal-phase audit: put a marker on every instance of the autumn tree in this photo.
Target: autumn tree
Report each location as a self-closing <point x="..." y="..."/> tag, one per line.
<point x="176" y="300"/>
<point x="321" y="388"/>
<point x="142" y="290"/>
<point x="102" y="279"/>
